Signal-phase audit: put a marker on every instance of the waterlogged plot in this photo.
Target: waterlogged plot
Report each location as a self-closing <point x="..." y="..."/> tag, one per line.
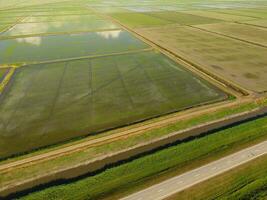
<point x="37" y="49"/>
<point x="68" y="99"/>
<point x="26" y="29"/>
<point x="60" y="18"/>
<point x="251" y="34"/>
<point x="26" y="13"/>
<point x="240" y="63"/>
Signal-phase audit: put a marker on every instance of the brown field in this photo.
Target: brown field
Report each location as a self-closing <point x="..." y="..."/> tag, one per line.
<point x="238" y="62"/>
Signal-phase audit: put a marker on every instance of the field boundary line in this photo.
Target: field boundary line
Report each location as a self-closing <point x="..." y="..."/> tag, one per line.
<point x="228" y="36"/>
<point x="112" y="158"/>
<point x="12" y="25"/>
<point x="24" y="64"/>
<point x="6" y="79"/>
<point x="248" y="24"/>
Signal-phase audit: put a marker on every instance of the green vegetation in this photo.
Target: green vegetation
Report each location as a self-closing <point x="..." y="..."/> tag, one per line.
<point x="16" y="175"/>
<point x="136" y="171"/>
<point x="83" y="74"/>
<point x="3" y="72"/>
<point x="106" y="93"/>
<point x="248" y="181"/>
<point x="48" y="27"/>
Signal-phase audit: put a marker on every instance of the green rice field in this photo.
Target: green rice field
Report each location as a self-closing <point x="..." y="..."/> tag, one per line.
<point x="74" y="98"/>
<point x="86" y="68"/>
<point x="82" y="70"/>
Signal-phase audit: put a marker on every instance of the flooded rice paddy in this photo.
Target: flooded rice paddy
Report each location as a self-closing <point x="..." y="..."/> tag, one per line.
<point x="81" y="69"/>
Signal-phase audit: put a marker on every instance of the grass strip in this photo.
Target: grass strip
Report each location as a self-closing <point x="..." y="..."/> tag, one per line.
<point x="128" y="174"/>
<point x="6" y="78"/>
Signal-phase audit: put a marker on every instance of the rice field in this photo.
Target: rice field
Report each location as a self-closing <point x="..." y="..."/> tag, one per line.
<point x="255" y="35"/>
<point x="49" y="48"/>
<point x="74" y="98"/>
<point x="80" y="70"/>
<point x="239" y="62"/>
<point x="84" y="67"/>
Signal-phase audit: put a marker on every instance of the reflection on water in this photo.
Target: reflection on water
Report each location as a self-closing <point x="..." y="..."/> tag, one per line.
<point x="59" y="26"/>
<point x="47" y="48"/>
<point x="109" y="34"/>
<point x="30" y="40"/>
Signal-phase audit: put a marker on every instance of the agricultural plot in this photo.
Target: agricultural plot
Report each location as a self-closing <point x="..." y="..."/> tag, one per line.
<point x="183" y="18"/>
<point x="252" y="34"/>
<point x="70" y="99"/>
<point x="218" y="15"/>
<point x="138" y="19"/>
<point x="3" y="27"/>
<point x="240" y="63"/>
<point x="3" y="72"/>
<point x="260" y="23"/>
<point x="28" y="29"/>
<point x="60" y="18"/>
<point x="47" y="48"/>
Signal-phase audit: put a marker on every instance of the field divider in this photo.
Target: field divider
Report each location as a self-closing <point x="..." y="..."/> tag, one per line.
<point x="100" y="163"/>
<point x="85" y="57"/>
<point x="54" y="33"/>
<point x="228" y="36"/>
<point x="254" y="25"/>
<point x="12" y="25"/>
<point x="241" y="15"/>
<point x="6" y="79"/>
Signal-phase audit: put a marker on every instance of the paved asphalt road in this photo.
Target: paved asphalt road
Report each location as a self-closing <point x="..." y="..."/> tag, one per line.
<point x="188" y="179"/>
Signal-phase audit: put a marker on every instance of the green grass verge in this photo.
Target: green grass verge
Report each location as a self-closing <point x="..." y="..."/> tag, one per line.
<point x="248" y="181"/>
<point x="139" y="20"/>
<point x="3" y="72"/>
<point x="128" y="174"/>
